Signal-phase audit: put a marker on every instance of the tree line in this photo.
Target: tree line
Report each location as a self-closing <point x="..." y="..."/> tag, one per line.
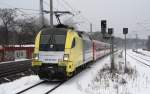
<point x="15" y="29"/>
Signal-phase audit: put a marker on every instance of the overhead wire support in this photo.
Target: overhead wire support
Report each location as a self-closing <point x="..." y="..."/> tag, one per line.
<point x="69" y="5"/>
<point x="18" y="9"/>
<point x="41" y="13"/>
<point x="61" y="5"/>
<point x="51" y="13"/>
<point x="28" y="9"/>
<point x="60" y="13"/>
<point x="54" y="12"/>
<point x="78" y="12"/>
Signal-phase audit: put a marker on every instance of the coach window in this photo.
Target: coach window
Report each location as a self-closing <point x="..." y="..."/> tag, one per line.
<point x="73" y="43"/>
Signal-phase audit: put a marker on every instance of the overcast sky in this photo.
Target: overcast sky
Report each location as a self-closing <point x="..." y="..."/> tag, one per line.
<point x="134" y="14"/>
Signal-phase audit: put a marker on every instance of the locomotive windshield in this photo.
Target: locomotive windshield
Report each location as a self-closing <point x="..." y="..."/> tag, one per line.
<point x="45" y="39"/>
<point x="53" y="39"/>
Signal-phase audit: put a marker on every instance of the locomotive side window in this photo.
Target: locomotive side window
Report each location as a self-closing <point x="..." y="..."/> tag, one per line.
<point x="73" y="43"/>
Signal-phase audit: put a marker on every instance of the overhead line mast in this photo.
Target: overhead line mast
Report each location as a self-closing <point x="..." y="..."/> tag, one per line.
<point x="51" y="13"/>
<point x="41" y="13"/>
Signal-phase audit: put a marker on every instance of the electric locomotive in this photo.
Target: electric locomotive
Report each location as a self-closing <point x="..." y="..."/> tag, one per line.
<point x="60" y="51"/>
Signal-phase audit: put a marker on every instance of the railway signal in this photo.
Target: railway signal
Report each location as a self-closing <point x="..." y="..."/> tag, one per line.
<point x="125" y="32"/>
<point x="103" y="27"/>
<point x="110" y="32"/>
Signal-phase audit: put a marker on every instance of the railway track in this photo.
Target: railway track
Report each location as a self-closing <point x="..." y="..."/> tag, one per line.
<point x="30" y="87"/>
<point x="40" y="84"/>
<point x="54" y="88"/>
<point x="7" y="70"/>
<point x="139" y="60"/>
<point x="142" y="54"/>
<point x="22" y="91"/>
<point x="143" y="58"/>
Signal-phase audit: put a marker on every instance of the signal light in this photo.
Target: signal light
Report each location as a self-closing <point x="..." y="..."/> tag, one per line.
<point x="125" y="31"/>
<point x="66" y="57"/>
<point x="110" y="31"/>
<point x="103" y="24"/>
<point x="103" y="27"/>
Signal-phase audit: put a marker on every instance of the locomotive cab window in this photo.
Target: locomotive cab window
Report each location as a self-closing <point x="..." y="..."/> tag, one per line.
<point x="45" y="39"/>
<point x="60" y="39"/>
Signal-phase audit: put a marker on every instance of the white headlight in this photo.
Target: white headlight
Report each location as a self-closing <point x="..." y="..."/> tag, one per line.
<point x="66" y="57"/>
<point x="36" y="56"/>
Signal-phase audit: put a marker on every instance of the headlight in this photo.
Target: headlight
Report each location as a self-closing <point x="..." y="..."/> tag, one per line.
<point x="36" y="56"/>
<point x="66" y="57"/>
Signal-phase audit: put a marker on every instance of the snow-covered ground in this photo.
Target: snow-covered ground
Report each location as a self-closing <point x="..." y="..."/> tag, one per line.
<point x="144" y="52"/>
<point x="94" y="80"/>
<point x="141" y="84"/>
<point x="139" y="56"/>
<point x="17" y="85"/>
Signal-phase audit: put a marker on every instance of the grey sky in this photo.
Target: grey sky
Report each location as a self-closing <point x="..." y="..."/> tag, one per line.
<point x="134" y="14"/>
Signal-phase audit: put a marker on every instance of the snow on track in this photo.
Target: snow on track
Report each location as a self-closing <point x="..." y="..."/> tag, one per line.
<point x="140" y="57"/>
<point x="18" y="85"/>
<point x="147" y="53"/>
<point x="141" y="85"/>
<point x="41" y="89"/>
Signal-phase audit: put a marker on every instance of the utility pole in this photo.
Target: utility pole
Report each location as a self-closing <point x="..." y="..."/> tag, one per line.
<point x="51" y="13"/>
<point x="125" y="52"/>
<point x="91" y="27"/>
<point x="41" y="13"/>
<point x="110" y="32"/>
<point x="136" y="42"/>
<point x="125" y="32"/>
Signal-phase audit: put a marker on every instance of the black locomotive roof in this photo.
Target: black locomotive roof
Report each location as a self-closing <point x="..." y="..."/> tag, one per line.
<point x="57" y="31"/>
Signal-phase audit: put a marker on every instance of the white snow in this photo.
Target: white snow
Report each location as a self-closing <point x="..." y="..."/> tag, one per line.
<point x="18" y="85"/>
<point x="141" y="85"/>
<point x="16" y="60"/>
<point x="84" y="82"/>
<point x="144" y="52"/>
<point x="79" y="84"/>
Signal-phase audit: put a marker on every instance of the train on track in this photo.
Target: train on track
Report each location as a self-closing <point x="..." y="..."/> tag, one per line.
<point x="60" y="52"/>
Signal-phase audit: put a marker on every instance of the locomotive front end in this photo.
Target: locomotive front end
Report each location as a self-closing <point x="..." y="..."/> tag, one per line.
<point x="52" y="54"/>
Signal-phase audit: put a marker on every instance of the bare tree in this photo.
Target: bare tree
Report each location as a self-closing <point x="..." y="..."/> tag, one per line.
<point x="7" y="17"/>
<point x="28" y="29"/>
